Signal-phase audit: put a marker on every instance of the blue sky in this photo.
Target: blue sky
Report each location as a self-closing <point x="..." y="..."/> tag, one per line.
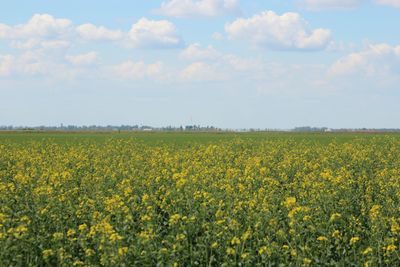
<point x="227" y="63"/>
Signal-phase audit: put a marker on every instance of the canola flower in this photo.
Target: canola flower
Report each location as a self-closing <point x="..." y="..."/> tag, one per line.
<point x="245" y="202"/>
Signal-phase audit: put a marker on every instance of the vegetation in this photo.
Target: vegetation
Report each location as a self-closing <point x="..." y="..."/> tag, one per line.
<point x="212" y="199"/>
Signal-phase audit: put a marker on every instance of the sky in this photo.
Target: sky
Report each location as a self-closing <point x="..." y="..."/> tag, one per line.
<point x="226" y="63"/>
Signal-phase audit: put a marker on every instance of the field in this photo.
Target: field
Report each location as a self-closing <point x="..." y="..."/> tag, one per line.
<point x="205" y="199"/>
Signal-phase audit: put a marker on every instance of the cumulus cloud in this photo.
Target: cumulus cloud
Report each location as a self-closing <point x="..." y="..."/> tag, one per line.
<point x="45" y="31"/>
<point x="83" y="59"/>
<point x="40" y="25"/>
<point x="375" y="61"/>
<point x="196" y="52"/>
<point x="92" y="32"/>
<point x="28" y="63"/>
<point x="190" y="8"/>
<point x="154" y="34"/>
<point x="394" y="3"/>
<point x="328" y="4"/>
<point x="41" y="31"/>
<point x="288" y="32"/>
<point x="137" y="70"/>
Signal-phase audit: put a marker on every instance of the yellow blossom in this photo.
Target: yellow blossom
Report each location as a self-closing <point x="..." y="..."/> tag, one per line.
<point x="306" y="262"/>
<point x="235" y="241"/>
<point x="367" y="251"/>
<point x="289" y="202"/>
<point x="47" y="253"/>
<point x="230" y="251"/>
<point x="122" y="251"/>
<point x="354" y="240"/>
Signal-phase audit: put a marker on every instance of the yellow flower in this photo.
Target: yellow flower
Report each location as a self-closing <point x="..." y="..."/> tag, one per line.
<point x="115" y="237"/>
<point x="78" y="263"/>
<point x="47" y="253"/>
<point x="336" y="234"/>
<point x="230" y="251"/>
<point x="235" y="241"/>
<point x="122" y="251"/>
<point x="82" y="227"/>
<point x="289" y="202"/>
<point x="71" y="233"/>
<point x="19" y="232"/>
<point x="322" y="238"/>
<point x="374" y="212"/>
<point x="244" y="256"/>
<point x="262" y="250"/>
<point x="306" y="262"/>
<point x="354" y="240"/>
<point x="367" y="251"/>
<point x="180" y="237"/>
<point x="335" y="217"/>
<point x="214" y="245"/>
<point x="89" y="252"/>
<point x="395" y="227"/>
<point x="174" y="219"/>
<point x="246" y="235"/>
<point x="58" y="236"/>
<point x="145" y="218"/>
<point x="391" y="248"/>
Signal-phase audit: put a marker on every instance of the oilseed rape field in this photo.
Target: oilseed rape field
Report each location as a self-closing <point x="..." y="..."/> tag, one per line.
<point x="175" y="199"/>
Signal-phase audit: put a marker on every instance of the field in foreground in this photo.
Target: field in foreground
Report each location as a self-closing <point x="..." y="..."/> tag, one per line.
<point x="178" y="199"/>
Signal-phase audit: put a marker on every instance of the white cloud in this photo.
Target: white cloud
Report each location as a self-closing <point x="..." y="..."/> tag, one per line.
<point x="28" y="63"/>
<point x="92" y="32"/>
<point x="207" y="8"/>
<point x="196" y="52"/>
<point x="201" y="72"/>
<point x="154" y="34"/>
<point x="210" y="64"/>
<point x="137" y="70"/>
<point x="83" y="59"/>
<point x="328" y="4"/>
<point x="6" y="62"/>
<point x="243" y="64"/>
<point x="46" y="66"/>
<point x="394" y="3"/>
<point x="288" y="31"/>
<point x="40" y="25"/>
<point x="375" y="61"/>
<point x="41" y="31"/>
